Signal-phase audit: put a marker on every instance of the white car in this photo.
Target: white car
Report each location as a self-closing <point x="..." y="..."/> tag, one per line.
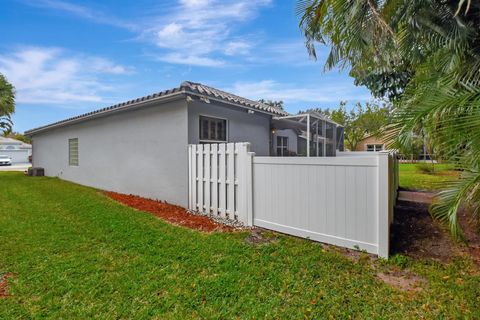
<point x="5" y="161"/>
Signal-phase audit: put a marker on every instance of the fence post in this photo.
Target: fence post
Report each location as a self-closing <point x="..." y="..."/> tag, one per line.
<point x="231" y="181"/>
<point x="208" y="177"/>
<point x="222" y="197"/>
<point x="190" y="206"/>
<point x="249" y="186"/>
<point x="200" y="178"/>
<point x="244" y="167"/>
<point x="383" y="233"/>
<point x="214" y="179"/>
<point x="240" y="195"/>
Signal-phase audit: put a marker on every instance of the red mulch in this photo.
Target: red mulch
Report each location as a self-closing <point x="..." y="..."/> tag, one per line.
<point x="169" y="212"/>
<point x="4" y="285"/>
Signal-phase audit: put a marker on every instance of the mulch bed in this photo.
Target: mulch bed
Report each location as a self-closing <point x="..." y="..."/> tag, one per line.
<point x="418" y="236"/>
<point x="169" y="212"/>
<point x="4" y="285"/>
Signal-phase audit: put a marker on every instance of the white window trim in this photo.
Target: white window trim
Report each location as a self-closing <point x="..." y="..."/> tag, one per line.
<point x="374" y="147"/>
<point x="283" y="147"/>
<point x="227" y="127"/>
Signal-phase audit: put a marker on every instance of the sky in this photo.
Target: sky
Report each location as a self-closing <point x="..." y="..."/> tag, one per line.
<point x="70" y="57"/>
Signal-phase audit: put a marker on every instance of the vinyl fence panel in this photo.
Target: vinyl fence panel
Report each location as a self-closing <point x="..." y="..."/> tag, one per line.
<point x="346" y="200"/>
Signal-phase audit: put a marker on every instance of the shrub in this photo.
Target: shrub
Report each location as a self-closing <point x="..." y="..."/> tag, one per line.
<point x="427" y="168"/>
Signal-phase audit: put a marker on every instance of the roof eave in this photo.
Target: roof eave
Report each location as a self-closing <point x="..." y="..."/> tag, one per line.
<point x="234" y="103"/>
<point x="136" y="105"/>
<point x="163" y="98"/>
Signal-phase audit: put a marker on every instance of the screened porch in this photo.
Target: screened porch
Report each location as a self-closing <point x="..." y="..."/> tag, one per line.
<point x="307" y="135"/>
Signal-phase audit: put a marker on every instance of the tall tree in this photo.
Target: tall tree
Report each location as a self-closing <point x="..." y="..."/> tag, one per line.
<point x="274" y="103"/>
<point x="7" y="104"/>
<point x="361" y="121"/>
<point x="425" y="56"/>
<point x="17" y="136"/>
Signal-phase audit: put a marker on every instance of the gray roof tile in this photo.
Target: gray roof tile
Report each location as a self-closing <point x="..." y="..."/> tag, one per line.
<point x="187" y="87"/>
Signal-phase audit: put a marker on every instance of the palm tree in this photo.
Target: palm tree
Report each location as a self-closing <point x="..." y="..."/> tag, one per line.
<point x="425" y="56"/>
<point x="7" y="104"/>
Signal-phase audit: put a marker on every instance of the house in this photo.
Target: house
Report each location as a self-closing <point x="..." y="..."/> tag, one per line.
<point x="17" y="150"/>
<point x="140" y="146"/>
<point x="375" y="143"/>
<point x="371" y="143"/>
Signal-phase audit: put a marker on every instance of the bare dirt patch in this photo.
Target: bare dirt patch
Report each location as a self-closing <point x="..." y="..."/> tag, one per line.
<point x="169" y="212"/>
<point x="259" y="236"/>
<point x="4" y="285"/>
<point x="402" y="280"/>
<point x="417" y="235"/>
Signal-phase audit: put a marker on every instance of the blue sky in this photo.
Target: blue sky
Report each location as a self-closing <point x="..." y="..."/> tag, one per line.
<point x="67" y="58"/>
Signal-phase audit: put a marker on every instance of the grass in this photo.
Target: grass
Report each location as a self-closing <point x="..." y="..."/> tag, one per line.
<point x="76" y="254"/>
<point x="412" y="177"/>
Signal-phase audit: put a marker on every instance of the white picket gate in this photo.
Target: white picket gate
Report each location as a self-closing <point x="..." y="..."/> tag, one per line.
<point x="221" y="179"/>
<point x="346" y="200"/>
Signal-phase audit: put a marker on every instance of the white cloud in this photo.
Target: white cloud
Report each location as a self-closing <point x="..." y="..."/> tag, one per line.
<point x="81" y="11"/>
<point x="195" y="32"/>
<point x="102" y="65"/>
<point x="192" y="60"/>
<point x="52" y="75"/>
<point x="195" y="3"/>
<point x="273" y="90"/>
<point x="200" y="32"/>
<point x="237" y="47"/>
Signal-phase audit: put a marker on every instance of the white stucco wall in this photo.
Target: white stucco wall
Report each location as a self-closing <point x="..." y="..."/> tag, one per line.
<point x="141" y="152"/>
<point x="241" y="126"/>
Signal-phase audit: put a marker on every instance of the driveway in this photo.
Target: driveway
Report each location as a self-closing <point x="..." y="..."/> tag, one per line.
<point x="16" y="167"/>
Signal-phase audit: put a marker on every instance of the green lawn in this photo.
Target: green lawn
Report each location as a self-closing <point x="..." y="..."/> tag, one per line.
<point x="76" y="254"/>
<point x="412" y="178"/>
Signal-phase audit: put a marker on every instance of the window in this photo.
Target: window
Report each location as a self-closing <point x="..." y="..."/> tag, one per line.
<point x="374" y="147"/>
<point x="73" y="152"/>
<point x="10" y="148"/>
<point x="282" y="146"/>
<point x="213" y="129"/>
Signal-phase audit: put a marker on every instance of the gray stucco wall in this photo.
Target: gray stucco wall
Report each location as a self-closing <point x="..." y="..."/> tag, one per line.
<point x="241" y="126"/>
<point x="142" y="152"/>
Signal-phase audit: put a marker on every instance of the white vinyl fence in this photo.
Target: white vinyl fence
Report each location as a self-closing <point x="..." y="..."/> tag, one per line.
<point x="346" y="200"/>
<point x="220" y="180"/>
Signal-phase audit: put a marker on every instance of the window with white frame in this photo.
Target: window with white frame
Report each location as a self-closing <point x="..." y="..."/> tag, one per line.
<point x="213" y="129"/>
<point x="73" y="152"/>
<point x="374" y="147"/>
<point x="282" y="146"/>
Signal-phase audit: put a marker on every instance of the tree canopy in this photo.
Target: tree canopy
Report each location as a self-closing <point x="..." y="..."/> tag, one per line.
<point x="274" y="103"/>
<point x="423" y="55"/>
<point x="7" y="104"/>
<point x="360" y="121"/>
<point x="17" y="136"/>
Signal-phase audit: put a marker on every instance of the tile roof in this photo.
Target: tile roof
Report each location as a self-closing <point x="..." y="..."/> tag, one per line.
<point x="10" y="141"/>
<point x="215" y="93"/>
<point x="187" y="87"/>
